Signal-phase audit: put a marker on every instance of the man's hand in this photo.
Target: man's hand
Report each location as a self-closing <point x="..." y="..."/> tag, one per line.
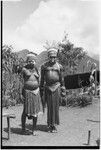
<point x="63" y="91"/>
<point x="43" y="109"/>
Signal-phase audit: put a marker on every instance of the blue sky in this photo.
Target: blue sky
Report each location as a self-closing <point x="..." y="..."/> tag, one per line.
<point x="30" y="23"/>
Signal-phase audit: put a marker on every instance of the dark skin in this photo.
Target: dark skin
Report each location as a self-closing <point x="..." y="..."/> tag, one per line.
<point x="31" y="63"/>
<point x="52" y="59"/>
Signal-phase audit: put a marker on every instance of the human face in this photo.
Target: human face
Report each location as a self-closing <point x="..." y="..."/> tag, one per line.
<point x="52" y="59"/>
<point x="31" y="62"/>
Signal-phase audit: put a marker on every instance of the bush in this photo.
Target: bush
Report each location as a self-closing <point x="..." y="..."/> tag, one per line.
<point x="7" y="101"/>
<point x="11" y="80"/>
<point x="63" y="101"/>
<point x="79" y="100"/>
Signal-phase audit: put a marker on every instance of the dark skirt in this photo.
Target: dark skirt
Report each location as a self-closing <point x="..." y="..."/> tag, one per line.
<point x="52" y="100"/>
<point x="32" y="103"/>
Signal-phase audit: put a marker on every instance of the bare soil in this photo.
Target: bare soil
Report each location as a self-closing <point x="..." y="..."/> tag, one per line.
<point x="72" y="131"/>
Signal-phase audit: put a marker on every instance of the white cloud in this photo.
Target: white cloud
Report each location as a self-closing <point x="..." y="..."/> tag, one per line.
<point x="52" y="18"/>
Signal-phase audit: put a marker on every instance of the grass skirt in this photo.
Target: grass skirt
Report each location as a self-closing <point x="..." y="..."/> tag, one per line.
<point x="32" y="103"/>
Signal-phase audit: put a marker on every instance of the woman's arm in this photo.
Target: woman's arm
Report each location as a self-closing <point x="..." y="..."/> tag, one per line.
<point x="26" y="72"/>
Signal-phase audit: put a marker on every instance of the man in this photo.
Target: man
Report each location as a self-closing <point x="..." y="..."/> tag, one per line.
<point x="93" y="79"/>
<point x="51" y="81"/>
<point x="92" y="85"/>
<point x="30" y="92"/>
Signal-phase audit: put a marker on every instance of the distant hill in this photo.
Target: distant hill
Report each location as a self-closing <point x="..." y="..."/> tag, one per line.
<point x="83" y="67"/>
<point x="42" y="57"/>
<point x="22" y="54"/>
<point x="96" y="57"/>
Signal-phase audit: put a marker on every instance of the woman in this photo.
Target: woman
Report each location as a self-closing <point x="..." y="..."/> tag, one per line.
<point x="32" y="102"/>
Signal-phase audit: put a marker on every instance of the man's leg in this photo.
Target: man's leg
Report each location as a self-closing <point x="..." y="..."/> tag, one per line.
<point x="54" y="129"/>
<point x="55" y="104"/>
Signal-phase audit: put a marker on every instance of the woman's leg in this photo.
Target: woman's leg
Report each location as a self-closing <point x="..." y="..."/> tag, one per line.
<point x="23" y="119"/>
<point x="34" y="125"/>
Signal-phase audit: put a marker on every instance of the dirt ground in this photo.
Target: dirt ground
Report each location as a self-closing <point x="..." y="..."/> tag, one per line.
<point x="72" y="131"/>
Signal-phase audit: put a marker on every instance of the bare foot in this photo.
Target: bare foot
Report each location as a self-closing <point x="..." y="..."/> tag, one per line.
<point x="34" y="133"/>
<point x="54" y="130"/>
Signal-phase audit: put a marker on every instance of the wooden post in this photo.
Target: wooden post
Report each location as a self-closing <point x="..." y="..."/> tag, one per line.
<point x="66" y="101"/>
<point x="8" y="122"/>
<point x="89" y="134"/>
<point x="8" y="116"/>
<point x="95" y="83"/>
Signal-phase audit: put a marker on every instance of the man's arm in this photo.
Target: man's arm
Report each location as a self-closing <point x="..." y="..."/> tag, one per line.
<point x="63" y="89"/>
<point x="61" y="76"/>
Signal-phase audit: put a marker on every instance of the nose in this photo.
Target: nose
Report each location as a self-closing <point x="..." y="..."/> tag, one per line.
<point x="52" y="59"/>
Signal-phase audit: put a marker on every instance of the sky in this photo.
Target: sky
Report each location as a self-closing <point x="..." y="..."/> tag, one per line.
<point x="28" y="24"/>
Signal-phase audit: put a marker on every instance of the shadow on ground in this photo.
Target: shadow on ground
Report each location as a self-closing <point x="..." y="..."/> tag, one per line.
<point x="42" y="128"/>
<point x="39" y="127"/>
<point x="18" y="130"/>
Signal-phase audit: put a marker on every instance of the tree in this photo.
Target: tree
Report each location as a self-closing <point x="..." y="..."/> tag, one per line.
<point x="69" y="55"/>
<point x="49" y="45"/>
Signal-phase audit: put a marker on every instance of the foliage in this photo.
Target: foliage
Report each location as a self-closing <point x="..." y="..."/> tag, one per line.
<point x="78" y="100"/>
<point x="11" y="82"/>
<point x="49" y="45"/>
<point x="69" y="55"/>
